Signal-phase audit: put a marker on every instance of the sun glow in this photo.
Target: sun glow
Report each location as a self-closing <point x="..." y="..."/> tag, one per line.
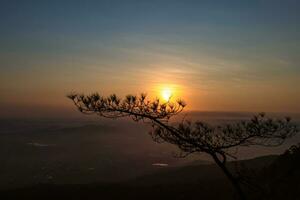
<point x="166" y="93"/>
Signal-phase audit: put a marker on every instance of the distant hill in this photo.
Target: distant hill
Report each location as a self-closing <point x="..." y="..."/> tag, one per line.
<point x="203" y="181"/>
<point x="200" y="173"/>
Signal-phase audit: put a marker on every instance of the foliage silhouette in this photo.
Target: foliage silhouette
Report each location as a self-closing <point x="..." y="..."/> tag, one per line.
<point x="197" y="137"/>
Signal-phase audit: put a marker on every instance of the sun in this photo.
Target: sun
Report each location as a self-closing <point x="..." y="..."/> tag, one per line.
<point x="166" y="93"/>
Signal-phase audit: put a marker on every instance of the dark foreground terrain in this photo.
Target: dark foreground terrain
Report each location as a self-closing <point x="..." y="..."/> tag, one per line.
<point x="268" y="177"/>
<point x="92" y="159"/>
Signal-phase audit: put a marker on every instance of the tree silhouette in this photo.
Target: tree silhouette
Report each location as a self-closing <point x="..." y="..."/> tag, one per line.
<point x="190" y="137"/>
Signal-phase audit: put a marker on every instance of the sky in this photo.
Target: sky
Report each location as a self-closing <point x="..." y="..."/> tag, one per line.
<point x="216" y="55"/>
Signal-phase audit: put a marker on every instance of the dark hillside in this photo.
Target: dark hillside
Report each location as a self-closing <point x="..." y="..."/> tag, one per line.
<point x="192" y="182"/>
<point x="282" y="177"/>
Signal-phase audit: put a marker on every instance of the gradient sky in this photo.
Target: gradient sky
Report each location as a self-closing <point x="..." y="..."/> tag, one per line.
<point x="218" y="55"/>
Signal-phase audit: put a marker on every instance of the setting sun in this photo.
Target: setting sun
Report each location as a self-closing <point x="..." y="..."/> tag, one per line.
<point x="167" y="91"/>
<point x="166" y="94"/>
